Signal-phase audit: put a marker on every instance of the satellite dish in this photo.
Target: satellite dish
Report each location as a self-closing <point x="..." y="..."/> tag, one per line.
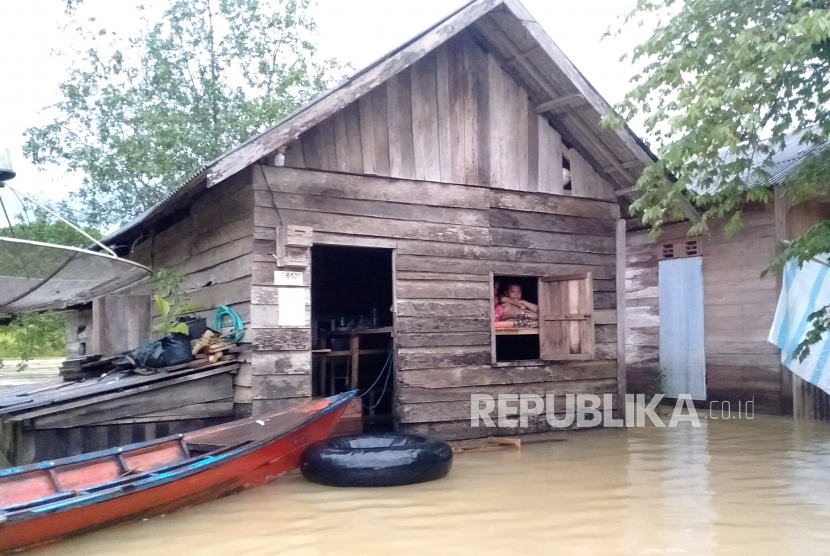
<point x="37" y="276"/>
<point x="6" y="172"/>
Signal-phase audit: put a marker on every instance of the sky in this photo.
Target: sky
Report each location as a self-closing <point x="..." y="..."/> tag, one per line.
<point x="355" y="31"/>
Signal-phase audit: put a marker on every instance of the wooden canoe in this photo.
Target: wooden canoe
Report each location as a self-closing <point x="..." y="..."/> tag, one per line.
<point x="50" y="501"/>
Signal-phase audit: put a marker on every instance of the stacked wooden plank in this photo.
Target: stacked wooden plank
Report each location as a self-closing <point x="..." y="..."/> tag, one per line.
<point x="213" y="347"/>
<point x="88" y="366"/>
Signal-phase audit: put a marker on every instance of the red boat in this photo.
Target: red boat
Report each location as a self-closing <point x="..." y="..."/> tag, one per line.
<point x="50" y="501"/>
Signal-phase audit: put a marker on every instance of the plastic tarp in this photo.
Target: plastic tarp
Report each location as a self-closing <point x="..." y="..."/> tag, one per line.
<point x="37" y="276"/>
<point x="805" y="290"/>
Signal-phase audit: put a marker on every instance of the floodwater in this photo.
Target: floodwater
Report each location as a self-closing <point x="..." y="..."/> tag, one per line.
<point x="757" y="487"/>
<point x="37" y="370"/>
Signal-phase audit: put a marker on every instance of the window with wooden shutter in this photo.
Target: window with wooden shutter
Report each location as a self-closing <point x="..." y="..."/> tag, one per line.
<point x="566" y="317"/>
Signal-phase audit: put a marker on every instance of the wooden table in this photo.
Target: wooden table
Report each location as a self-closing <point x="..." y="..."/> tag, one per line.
<point x="354" y="351"/>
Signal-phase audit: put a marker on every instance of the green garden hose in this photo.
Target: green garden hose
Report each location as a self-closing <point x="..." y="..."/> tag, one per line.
<point x="238" y="326"/>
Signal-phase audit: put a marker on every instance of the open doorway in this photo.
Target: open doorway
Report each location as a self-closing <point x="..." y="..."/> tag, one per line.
<point x="351" y="319"/>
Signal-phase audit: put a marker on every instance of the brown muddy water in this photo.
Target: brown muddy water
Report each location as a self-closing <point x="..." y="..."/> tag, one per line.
<point x="730" y="487"/>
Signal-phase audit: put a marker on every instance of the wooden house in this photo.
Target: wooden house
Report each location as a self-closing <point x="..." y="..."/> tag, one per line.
<point x="360" y="237"/>
<point x="698" y="312"/>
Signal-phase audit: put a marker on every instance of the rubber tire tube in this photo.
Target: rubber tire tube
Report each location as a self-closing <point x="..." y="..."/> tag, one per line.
<point x="376" y="460"/>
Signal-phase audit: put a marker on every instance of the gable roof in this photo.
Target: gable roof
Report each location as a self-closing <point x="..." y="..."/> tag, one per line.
<point x="524" y="50"/>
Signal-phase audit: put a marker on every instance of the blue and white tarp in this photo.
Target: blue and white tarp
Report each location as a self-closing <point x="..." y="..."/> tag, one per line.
<point x="804" y="291"/>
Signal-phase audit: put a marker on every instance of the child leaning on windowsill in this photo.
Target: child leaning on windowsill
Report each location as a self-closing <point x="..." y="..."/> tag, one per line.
<point x="514" y="308"/>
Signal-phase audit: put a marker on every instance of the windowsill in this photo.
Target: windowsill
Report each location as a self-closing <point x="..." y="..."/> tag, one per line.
<point x="516" y="331"/>
<point x="521" y="363"/>
<point x="541" y="362"/>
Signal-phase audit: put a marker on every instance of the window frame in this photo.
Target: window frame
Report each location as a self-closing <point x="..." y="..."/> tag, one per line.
<point x="588" y="354"/>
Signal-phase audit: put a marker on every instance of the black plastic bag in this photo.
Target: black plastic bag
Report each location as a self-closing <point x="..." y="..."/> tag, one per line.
<point x="170" y="350"/>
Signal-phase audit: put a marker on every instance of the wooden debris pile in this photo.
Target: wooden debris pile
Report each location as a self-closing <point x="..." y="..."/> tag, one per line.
<point x="213" y="346"/>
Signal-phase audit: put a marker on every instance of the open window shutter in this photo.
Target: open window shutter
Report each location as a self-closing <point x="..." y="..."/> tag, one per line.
<point x="566" y="317"/>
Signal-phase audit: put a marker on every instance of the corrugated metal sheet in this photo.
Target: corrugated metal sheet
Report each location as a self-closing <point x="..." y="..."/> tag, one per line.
<point x="53" y="396"/>
<point x="784" y="162"/>
<point x="682" y="355"/>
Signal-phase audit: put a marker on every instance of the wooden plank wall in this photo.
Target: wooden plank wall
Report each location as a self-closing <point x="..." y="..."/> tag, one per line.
<point x="448" y="238"/>
<point x="22" y="445"/>
<point x="738" y="310"/>
<point x="211" y="247"/>
<point x="455" y="116"/>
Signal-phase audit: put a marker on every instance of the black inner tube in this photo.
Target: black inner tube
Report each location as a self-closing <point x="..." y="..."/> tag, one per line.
<point x="388" y="459"/>
<point x="376" y="441"/>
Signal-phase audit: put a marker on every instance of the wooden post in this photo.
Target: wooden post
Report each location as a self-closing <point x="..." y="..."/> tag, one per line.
<point x="120" y="323"/>
<point x="788" y="379"/>
<point x="621" y="370"/>
<point x="355" y="355"/>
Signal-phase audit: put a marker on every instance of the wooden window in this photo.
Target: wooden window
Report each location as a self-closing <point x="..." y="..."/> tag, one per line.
<point x="566" y="320"/>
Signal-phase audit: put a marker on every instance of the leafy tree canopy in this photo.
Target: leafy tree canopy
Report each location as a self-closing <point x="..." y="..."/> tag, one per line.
<point x="138" y="116"/>
<point x="723" y="83"/>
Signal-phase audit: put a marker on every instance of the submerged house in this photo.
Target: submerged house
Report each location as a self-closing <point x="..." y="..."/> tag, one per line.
<point x="698" y="312"/>
<point x="360" y="238"/>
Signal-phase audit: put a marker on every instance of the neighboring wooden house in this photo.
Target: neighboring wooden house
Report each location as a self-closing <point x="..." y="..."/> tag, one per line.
<point x="699" y="312"/>
<point x="393" y="201"/>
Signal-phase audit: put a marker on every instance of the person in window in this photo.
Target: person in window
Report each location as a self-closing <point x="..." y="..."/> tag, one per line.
<point x="523" y="313"/>
<point x="498" y="308"/>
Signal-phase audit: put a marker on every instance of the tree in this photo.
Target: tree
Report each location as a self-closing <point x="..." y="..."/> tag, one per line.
<point x="723" y="83"/>
<point x="139" y="116"/>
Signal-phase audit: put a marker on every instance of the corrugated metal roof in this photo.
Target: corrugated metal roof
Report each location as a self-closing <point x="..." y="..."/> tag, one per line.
<point x="53" y="396"/>
<point x="785" y="162"/>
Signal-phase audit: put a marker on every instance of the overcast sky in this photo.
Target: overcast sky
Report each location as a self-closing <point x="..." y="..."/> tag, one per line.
<point x="355" y="31"/>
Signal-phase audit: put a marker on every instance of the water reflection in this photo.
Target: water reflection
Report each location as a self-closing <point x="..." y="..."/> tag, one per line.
<point x="729" y="487"/>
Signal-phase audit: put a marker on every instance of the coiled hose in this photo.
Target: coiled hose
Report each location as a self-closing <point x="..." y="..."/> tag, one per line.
<point x="238" y="326"/>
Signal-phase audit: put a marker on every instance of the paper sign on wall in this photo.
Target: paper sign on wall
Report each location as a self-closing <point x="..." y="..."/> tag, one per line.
<point x="291" y="306"/>
<point x="283" y="278"/>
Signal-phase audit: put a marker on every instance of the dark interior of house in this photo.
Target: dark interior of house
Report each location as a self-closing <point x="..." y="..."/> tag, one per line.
<point x="351" y="316"/>
<point x="518" y="347"/>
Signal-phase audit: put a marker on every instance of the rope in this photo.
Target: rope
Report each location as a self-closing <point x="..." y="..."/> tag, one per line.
<point x="238" y="326"/>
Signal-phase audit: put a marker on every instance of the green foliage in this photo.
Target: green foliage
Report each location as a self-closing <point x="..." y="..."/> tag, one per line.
<point x="138" y="116"/>
<point x="39" y="225"/>
<point x="172" y="303"/>
<point x="28" y="337"/>
<point x="723" y="83"/>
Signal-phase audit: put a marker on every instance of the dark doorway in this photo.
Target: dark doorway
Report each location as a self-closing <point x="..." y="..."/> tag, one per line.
<point x="351" y="318"/>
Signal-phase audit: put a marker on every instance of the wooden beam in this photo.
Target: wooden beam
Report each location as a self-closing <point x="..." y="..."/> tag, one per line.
<point x="355" y="87"/>
<point x="523" y="55"/>
<point x="621" y="289"/>
<point x="557" y="104"/>
<point x="627" y="165"/>
<point x="626" y="191"/>
<point x="782" y="204"/>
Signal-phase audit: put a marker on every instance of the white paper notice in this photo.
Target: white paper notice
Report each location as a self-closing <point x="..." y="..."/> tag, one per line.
<point x="291" y="306"/>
